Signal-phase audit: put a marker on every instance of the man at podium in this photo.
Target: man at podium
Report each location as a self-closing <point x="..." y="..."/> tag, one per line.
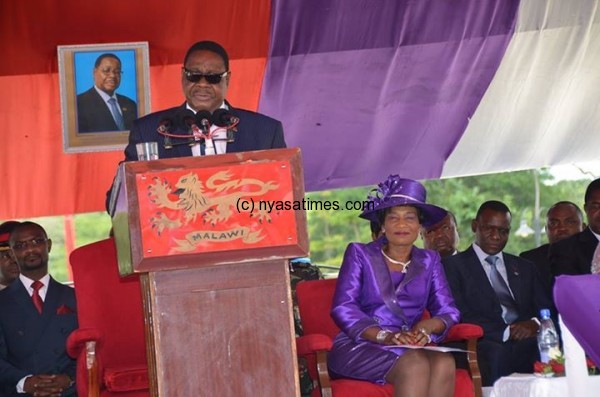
<point x="206" y="123"/>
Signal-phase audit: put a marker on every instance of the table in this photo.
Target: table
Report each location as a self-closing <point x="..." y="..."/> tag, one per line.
<point x="529" y="385"/>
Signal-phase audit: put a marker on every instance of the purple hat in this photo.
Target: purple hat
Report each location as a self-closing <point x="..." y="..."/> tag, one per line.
<point x="396" y="191"/>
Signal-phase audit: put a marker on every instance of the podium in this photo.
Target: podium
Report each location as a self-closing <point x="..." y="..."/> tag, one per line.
<point x="210" y="237"/>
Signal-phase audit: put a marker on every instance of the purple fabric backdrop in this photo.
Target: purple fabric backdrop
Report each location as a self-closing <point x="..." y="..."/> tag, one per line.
<point x="380" y="86"/>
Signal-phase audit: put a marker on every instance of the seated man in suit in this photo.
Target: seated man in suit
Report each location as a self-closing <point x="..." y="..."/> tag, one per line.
<point x="563" y="220"/>
<point x="100" y="108"/>
<point x="37" y="314"/>
<point x="9" y="270"/>
<point x="500" y="292"/>
<point x="574" y="254"/>
<point x="442" y="237"/>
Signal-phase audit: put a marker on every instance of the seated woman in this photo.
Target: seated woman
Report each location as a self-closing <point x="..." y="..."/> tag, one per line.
<point x="382" y="291"/>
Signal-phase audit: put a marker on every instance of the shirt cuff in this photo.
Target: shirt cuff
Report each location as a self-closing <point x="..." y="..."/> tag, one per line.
<point x="21" y="384"/>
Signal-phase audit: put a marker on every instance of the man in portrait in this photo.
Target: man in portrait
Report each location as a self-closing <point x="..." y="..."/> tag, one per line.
<point x="100" y="108"/>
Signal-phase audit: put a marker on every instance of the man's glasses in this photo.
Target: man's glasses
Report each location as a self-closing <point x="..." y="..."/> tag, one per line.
<point x="195" y="77"/>
<point x="34" y="242"/>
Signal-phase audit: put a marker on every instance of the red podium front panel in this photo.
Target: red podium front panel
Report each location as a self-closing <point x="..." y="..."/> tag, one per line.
<point x="224" y="209"/>
<point x="216" y="209"/>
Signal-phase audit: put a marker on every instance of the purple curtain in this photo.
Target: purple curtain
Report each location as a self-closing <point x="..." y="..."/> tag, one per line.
<point x="371" y="87"/>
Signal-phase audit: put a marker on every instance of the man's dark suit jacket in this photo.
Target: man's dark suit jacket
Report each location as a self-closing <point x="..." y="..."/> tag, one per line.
<point x="573" y="255"/>
<point x="255" y="132"/>
<point x="540" y="257"/>
<point x="476" y="299"/>
<point x="33" y="344"/>
<point x="93" y="114"/>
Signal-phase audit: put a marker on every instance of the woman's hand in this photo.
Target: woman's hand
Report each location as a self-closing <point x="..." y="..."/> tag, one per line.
<point x="424" y="328"/>
<point x="404" y="338"/>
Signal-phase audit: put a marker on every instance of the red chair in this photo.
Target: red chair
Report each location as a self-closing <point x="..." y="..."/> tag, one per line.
<point x="314" y="303"/>
<point x="110" y="314"/>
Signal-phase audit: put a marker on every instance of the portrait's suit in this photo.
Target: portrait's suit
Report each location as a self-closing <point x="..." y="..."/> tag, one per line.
<point x="33" y="343"/>
<point x="573" y="255"/>
<point x="540" y="258"/>
<point x="93" y="114"/>
<point x="479" y="304"/>
<point x="254" y="132"/>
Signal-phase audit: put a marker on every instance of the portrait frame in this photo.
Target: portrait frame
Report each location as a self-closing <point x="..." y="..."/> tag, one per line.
<point x="77" y="72"/>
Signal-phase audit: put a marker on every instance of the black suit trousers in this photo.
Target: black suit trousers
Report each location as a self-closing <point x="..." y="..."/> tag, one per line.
<point x="497" y="359"/>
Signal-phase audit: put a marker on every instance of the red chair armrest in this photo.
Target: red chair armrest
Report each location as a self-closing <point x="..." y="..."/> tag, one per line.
<point x="76" y="340"/>
<point x="312" y="343"/>
<point x="461" y="332"/>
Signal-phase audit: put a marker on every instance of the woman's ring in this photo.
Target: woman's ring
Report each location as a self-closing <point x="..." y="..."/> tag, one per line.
<point x="423" y="331"/>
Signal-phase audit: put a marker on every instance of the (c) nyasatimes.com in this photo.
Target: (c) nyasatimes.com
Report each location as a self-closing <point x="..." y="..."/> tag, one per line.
<point x="249" y="204"/>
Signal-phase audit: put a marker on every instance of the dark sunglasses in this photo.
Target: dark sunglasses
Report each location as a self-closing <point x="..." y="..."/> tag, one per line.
<point x="195" y="77"/>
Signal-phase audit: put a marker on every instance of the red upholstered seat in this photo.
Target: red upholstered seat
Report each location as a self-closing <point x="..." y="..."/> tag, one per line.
<point x="314" y="303"/>
<point x="110" y="312"/>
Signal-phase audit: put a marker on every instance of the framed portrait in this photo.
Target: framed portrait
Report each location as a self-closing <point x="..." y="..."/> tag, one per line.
<point x="103" y="88"/>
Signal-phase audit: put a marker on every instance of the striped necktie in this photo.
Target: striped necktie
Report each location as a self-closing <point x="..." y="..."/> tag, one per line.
<point x="116" y="114"/>
<point x="502" y="291"/>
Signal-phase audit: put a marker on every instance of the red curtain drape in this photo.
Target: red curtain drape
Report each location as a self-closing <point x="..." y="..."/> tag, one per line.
<point x="38" y="179"/>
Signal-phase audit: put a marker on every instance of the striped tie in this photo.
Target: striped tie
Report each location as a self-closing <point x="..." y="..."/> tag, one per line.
<point x="502" y="291"/>
<point x="116" y="114"/>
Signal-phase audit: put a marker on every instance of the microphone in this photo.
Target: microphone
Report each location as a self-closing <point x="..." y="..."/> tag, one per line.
<point x="203" y="120"/>
<point x="222" y="118"/>
<point x="187" y="120"/>
<point x="163" y="128"/>
<point x="164" y="125"/>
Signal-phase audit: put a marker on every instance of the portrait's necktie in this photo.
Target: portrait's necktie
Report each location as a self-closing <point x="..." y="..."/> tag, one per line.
<point x="116" y="114"/>
<point x="35" y="297"/>
<point x="502" y="291"/>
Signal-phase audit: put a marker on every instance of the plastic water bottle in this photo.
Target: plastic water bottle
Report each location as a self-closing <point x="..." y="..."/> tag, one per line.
<point x="596" y="261"/>
<point x="547" y="337"/>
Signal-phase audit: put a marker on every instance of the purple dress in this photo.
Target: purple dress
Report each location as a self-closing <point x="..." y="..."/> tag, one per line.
<point x="367" y="296"/>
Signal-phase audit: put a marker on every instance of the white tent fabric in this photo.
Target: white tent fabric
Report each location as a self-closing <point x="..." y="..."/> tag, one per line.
<point x="543" y="105"/>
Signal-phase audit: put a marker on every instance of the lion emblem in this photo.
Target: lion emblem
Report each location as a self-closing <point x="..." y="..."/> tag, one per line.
<point x="192" y="200"/>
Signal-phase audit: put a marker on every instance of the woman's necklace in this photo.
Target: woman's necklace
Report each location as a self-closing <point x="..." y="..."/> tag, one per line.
<point x="395" y="262"/>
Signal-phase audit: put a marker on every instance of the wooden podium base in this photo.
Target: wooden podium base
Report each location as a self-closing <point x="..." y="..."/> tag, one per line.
<point x="221" y="331"/>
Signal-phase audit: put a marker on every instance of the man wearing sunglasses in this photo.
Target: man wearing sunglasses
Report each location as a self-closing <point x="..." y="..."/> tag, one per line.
<point x="100" y="108"/>
<point x="37" y="314"/>
<point x="205" y="79"/>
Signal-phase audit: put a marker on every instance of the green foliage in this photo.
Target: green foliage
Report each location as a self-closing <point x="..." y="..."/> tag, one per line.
<point x="331" y="231"/>
<point x="463" y="196"/>
<point x="91" y="227"/>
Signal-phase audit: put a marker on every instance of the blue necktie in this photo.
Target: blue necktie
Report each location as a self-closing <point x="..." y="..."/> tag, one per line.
<point x="116" y="114"/>
<point x="502" y="291"/>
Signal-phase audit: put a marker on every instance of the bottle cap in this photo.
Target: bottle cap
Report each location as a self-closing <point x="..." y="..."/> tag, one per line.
<point x="545" y="313"/>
